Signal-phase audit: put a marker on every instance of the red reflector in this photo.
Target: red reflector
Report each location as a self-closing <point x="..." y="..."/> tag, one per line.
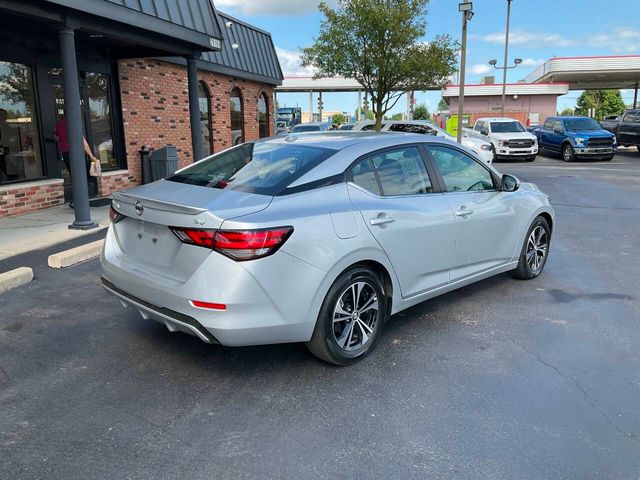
<point x="202" y="238"/>
<point x="208" y="305"/>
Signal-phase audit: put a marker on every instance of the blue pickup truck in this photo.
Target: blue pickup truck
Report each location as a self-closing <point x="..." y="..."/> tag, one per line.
<point x="575" y="137"/>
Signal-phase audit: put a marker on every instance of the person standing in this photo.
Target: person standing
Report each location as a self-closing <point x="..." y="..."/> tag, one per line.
<point x="62" y="137"/>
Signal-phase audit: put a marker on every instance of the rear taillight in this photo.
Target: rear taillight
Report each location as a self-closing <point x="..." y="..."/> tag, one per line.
<point x="114" y="216"/>
<point x="238" y="245"/>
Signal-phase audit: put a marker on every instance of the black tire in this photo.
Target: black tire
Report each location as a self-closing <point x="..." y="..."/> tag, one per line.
<point x="324" y="342"/>
<point x="495" y="155"/>
<point x="638" y="147"/>
<point x="524" y="270"/>
<point x="568" y="154"/>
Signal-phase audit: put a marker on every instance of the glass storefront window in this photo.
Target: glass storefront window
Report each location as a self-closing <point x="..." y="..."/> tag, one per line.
<point x="204" y="103"/>
<point x="20" y="157"/>
<point x="237" y="117"/>
<point x="263" y="116"/>
<point x="97" y="85"/>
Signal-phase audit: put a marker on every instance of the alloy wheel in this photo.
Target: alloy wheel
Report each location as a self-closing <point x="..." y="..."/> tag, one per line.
<point x="537" y="248"/>
<point x="355" y="316"/>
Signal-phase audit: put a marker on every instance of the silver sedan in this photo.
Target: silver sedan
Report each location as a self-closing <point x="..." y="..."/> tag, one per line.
<point x="319" y="238"/>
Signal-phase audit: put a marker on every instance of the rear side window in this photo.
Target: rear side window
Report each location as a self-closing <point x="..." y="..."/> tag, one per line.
<point x="460" y="172"/>
<point x="264" y="168"/>
<point x="413" y="128"/>
<point x="399" y="172"/>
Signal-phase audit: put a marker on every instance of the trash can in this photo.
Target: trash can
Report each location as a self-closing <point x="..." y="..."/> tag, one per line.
<point x="164" y="162"/>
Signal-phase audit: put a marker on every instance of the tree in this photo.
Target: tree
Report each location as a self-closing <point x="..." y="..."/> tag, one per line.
<point x="379" y="44"/>
<point x="368" y="114"/>
<point x="605" y="102"/>
<point x="338" y="119"/>
<point x="566" y="112"/>
<point x="395" y="116"/>
<point x="443" y="106"/>
<point x="421" y="112"/>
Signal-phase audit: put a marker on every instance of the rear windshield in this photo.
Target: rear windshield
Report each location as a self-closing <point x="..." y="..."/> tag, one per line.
<point x="577" y="124"/>
<point x="306" y="128"/>
<point x="264" y="168"/>
<point x="506" y="127"/>
<point x="413" y="128"/>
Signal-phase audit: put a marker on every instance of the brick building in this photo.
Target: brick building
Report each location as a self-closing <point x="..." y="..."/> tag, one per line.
<point x="138" y="65"/>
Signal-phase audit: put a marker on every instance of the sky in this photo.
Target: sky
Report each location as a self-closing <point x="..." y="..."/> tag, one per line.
<point x="540" y="29"/>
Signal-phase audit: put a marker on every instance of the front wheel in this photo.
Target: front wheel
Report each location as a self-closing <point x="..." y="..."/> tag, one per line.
<point x="535" y="250"/>
<point x="568" y="154"/>
<point x="350" y="319"/>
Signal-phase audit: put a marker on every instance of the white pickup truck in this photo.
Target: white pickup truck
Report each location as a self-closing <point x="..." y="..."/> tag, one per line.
<point x="508" y="137"/>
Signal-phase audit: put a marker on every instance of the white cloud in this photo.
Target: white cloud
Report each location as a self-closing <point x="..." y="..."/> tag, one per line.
<point x="290" y="64"/>
<point x="623" y="40"/>
<point x="272" y="7"/>
<point x="532" y="62"/>
<point x="481" y="69"/>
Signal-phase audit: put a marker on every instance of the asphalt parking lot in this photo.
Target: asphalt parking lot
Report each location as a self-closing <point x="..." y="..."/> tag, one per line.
<point x="504" y="379"/>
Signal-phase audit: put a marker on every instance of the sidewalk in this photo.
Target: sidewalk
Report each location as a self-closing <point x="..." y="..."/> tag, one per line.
<point x="44" y="228"/>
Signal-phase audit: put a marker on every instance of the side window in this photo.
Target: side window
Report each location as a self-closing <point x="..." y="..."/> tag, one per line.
<point x="364" y="177"/>
<point x="629" y="117"/>
<point x="548" y="125"/>
<point x="479" y="126"/>
<point x="557" y="125"/>
<point x="460" y="172"/>
<point x="485" y="129"/>
<point x="402" y="172"/>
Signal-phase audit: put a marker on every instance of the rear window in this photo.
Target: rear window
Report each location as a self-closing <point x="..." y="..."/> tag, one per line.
<point x="264" y="168"/>
<point x="413" y="128"/>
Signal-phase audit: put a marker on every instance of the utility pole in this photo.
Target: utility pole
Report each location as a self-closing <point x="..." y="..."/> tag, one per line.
<point x="467" y="14"/>
<point x="506" y="54"/>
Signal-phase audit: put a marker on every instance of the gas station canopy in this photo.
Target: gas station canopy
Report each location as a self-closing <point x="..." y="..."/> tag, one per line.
<point x="588" y="73"/>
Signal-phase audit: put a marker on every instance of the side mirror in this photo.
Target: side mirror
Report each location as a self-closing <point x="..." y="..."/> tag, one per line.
<point x="509" y="183"/>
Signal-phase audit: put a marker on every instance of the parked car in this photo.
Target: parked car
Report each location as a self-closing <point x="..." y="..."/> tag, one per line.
<point x="626" y="128"/>
<point x="509" y="138"/>
<point x="610" y="122"/>
<point x="482" y="148"/>
<point x="312" y="127"/>
<point x="347" y="126"/>
<point x="576" y="137"/>
<point x="318" y="238"/>
<point x="282" y="127"/>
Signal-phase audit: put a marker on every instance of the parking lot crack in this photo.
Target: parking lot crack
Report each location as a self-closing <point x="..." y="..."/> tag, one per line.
<point x="581" y="389"/>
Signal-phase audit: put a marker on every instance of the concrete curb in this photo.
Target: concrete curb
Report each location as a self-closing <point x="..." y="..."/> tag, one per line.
<point x="15" y="278"/>
<point x="76" y="255"/>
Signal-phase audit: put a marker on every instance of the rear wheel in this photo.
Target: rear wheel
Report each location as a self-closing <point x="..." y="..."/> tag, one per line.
<point x="568" y="154"/>
<point x="350" y="319"/>
<point x="535" y="250"/>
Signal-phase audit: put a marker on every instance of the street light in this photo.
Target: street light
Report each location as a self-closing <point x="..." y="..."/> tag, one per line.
<point x="494" y="64"/>
<point x="466" y="8"/>
<point x="506" y="54"/>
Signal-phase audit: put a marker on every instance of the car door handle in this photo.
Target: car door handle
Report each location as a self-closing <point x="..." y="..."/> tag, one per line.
<point x="381" y="219"/>
<point x="464" y="212"/>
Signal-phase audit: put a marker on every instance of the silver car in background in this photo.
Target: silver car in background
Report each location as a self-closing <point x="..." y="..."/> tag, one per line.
<point x="319" y="238"/>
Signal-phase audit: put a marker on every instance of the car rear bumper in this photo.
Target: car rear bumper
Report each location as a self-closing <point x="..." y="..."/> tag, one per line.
<point x="266" y="300"/>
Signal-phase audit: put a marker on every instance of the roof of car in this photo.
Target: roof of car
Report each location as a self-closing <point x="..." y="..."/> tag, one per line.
<point x="567" y="117"/>
<point x="338" y="139"/>
<point x="498" y="119"/>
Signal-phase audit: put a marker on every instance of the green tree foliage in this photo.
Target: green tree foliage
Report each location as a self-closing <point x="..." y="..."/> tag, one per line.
<point x="443" y="106"/>
<point x="605" y="102"/>
<point x="421" y="112"/>
<point x="395" y="117"/>
<point x="566" y="112"/>
<point x="379" y="44"/>
<point x="338" y="119"/>
<point x="368" y="115"/>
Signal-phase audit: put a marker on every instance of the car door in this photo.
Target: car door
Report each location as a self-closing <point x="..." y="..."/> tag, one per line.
<point x="407" y="215"/>
<point x="545" y="132"/>
<point x="629" y="129"/>
<point x="486" y="220"/>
